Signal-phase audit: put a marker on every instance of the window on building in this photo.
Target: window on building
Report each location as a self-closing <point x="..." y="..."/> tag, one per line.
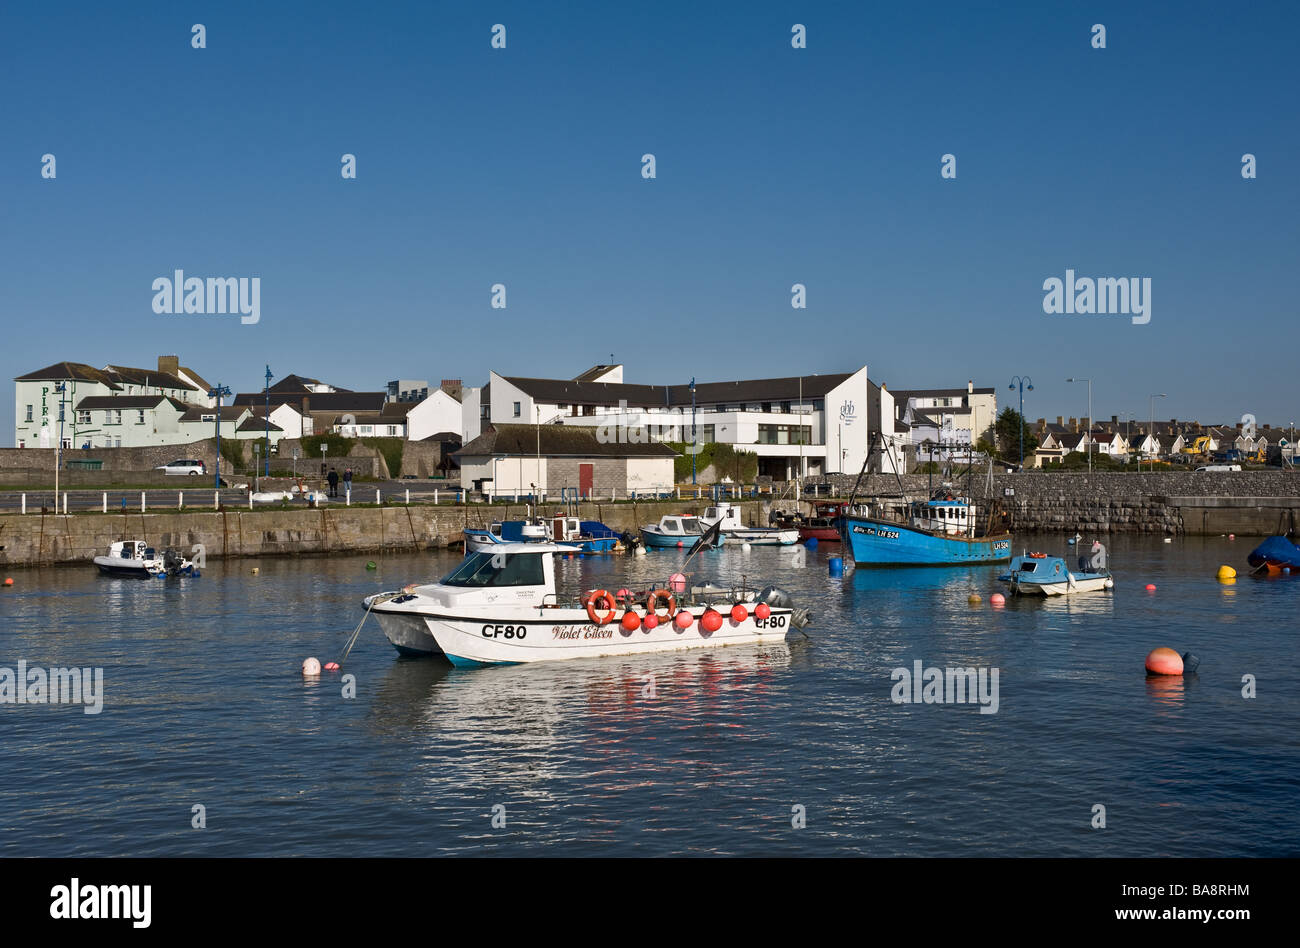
<point x="83" y="417"/>
<point x="113" y="416"/>
<point x="139" y="416"/>
<point x="517" y="409"/>
<point x="29" y="412"/>
<point x="117" y="442"/>
<point x="785" y="408"/>
<point x="366" y="429"/>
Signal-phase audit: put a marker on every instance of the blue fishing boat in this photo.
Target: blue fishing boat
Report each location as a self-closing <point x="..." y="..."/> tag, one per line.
<point x="941" y="531"/>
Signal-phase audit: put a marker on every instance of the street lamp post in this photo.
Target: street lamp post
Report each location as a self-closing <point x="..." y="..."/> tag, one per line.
<point x="217" y="391"/>
<point x="1089" y="381"/>
<point x="694" y="434"/>
<point x="1022" y="382"/>
<point x="1151" y="431"/>
<point x="268" y="421"/>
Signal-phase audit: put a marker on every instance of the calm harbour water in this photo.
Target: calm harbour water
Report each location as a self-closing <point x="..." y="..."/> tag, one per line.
<point x="204" y="704"/>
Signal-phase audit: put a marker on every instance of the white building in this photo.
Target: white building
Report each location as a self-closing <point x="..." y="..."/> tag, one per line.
<point x="552" y="459"/>
<point x="438" y="413"/>
<point x="116" y="406"/>
<point x="956" y="417"/>
<point x="817" y="424"/>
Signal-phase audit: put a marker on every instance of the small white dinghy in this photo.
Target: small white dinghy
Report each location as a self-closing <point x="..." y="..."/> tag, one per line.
<point x="500" y="607"/>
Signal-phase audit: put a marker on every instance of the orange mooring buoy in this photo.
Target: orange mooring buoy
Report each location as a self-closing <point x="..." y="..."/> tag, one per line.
<point x="1164" y="661"/>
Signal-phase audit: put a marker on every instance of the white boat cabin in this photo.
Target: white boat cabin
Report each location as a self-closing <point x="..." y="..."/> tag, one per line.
<point x="673" y="525"/>
<point x="729" y="514"/>
<point x="949" y="515"/>
<point x="129" y="550"/>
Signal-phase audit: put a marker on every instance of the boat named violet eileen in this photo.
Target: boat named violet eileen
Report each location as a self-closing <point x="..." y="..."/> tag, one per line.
<point x="501" y="608"/>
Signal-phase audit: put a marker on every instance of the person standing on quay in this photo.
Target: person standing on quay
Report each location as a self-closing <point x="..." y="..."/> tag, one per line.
<point x="347" y="481"/>
<point x="333" y="482"/>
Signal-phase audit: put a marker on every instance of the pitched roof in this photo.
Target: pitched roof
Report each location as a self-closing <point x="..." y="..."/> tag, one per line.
<point x="258" y="424"/>
<point x="228" y="412"/>
<point x="151" y="377"/>
<point x="574" y="441"/>
<point x="199" y="380"/>
<point x="341" y="401"/>
<point x="903" y="394"/>
<point x="595" y="372"/>
<point x="61" y="371"/>
<point x="95" y="402"/>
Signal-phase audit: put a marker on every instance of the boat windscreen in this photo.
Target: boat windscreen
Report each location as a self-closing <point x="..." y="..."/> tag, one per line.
<point x="497" y="569"/>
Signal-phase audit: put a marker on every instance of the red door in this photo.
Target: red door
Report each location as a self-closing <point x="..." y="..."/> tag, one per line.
<point x="585" y="477"/>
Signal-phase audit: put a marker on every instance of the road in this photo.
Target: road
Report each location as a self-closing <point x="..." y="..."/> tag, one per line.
<point x="201" y="496"/>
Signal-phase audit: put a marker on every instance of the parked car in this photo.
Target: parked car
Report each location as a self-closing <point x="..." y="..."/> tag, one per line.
<point x="184" y="466"/>
<point x="1220" y="467"/>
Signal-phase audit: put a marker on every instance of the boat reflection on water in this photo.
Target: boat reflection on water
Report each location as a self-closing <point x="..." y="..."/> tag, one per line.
<point x="525" y="722"/>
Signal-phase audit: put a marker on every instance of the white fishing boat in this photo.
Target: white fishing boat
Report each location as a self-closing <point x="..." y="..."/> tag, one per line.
<point x="500" y="607"/>
<point x="138" y="559"/>
<point x="734" y="528"/>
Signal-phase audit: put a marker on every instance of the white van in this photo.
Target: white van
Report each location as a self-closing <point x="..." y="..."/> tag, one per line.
<point x="1220" y="467"/>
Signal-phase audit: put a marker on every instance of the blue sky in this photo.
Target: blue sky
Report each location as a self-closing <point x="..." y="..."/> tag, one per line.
<point x="775" y="166"/>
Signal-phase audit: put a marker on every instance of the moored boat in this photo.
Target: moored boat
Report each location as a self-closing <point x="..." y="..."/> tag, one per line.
<point x="673" y="530"/>
<point x="823" y="525"/>
<point x="733" y="527"/>
<point x="941" y="531"/>
<point x="587" y="536"/>
<point x="1275" y="555"/>
<point x="467" y="617"/>
<point x="1039" y="574"/>
<point x="137" y="559"/>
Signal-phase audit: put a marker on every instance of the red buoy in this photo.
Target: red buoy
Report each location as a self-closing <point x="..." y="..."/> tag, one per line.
<point x="711" y="621"/>
<point x="739" y="613"/>
<point x="651" y="621"/>
<point x="631" y="621"/>
<point x="762" y="611"/>
<point x="1164" y="661"/>
<point x="683" y="620"/>
<point x="1151" y="587"/>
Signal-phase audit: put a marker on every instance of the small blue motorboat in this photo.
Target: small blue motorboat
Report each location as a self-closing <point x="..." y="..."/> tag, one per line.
<point x="674" y="530"/>
<point x="1040" y="574"/>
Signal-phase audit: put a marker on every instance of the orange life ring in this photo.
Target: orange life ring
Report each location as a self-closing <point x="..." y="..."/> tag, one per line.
<point x="600" y="595"/>
<point x="655" y="596"/>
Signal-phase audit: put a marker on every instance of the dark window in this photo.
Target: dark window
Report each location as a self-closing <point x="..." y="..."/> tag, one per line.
<point x="519" y="569"/>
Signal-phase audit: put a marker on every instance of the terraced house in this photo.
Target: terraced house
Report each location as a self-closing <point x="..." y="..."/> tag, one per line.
<point x="111" y="407"/>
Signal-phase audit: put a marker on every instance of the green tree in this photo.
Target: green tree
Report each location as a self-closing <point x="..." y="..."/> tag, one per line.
<point x="1008" y="430"/>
